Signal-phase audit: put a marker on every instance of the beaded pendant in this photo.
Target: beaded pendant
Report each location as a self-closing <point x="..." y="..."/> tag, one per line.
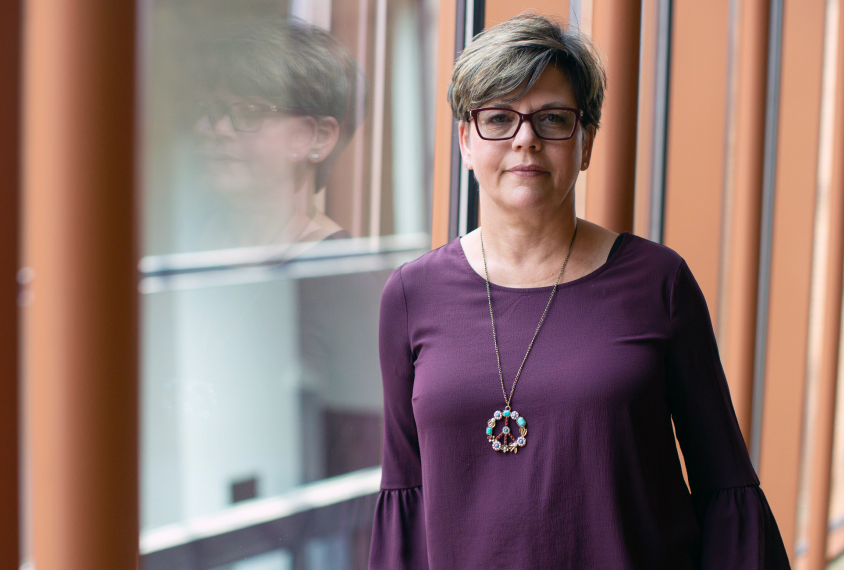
<point x="505" y="441"/>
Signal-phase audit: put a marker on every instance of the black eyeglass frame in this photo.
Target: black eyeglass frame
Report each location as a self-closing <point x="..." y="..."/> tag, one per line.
<point x="578" y="116"/>
<point x="226" y="111"/>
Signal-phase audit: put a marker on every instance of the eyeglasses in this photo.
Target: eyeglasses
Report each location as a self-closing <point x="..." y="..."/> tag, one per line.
<point x="245" y="117"/>
<point x="553" y="123"/>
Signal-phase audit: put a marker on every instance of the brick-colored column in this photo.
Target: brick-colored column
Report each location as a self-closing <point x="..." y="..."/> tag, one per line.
<point x="81" y="323"/>
<point x="612" y="174"/>
<point x="10" y="53"/>
<point x="829" y="325"/>
<point x="443" y="126"/>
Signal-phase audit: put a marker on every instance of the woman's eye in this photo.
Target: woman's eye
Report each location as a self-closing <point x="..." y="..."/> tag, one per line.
<point x="501" y="118"/>
<point x="554" y="118"/>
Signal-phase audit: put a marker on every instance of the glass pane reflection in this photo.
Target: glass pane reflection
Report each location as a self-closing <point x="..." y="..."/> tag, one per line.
<point x="287" y="161"/>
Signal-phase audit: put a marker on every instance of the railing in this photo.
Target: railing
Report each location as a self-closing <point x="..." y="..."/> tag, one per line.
<point x="341" y="506"/>
<point x="179" y="271"/>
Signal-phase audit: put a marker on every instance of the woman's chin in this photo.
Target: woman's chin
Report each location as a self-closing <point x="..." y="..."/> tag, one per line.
<point x="230" y="186"/>
<point x="529" y="198"/>
<point x="229" y="178"/>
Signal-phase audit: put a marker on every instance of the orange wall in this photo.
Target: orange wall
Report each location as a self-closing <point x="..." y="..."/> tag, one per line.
<point x="498" y="11"/>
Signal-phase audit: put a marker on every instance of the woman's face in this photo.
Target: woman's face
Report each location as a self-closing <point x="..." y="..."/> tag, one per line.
<point x="264" y="160"/>
<point x="528" y="173"/>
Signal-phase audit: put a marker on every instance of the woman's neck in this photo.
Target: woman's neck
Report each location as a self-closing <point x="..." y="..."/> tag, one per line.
<point x="275" y="215"/>
<point x="527" y="241"/>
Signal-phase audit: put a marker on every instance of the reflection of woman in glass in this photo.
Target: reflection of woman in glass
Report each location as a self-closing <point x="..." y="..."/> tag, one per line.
<point x="279" y="111"/>
<point x="290" y="357"/>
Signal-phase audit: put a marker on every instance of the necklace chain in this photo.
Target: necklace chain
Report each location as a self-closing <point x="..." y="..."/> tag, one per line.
<point x="507" y="399"/>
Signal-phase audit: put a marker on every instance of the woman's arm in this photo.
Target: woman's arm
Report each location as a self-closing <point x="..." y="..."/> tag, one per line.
<point x="398" y="532"/>
<point x="738" y="530"/>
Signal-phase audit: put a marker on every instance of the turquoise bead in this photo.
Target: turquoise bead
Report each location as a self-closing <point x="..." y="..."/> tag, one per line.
<point x="506" y="413"/>
<point x="489" y="431"/>
<point x="521" y="421"/>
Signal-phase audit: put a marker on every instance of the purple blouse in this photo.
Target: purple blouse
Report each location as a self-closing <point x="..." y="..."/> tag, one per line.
<point x="598" y="483"/>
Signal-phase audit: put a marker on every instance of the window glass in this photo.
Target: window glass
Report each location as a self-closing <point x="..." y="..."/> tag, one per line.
<point x="287" y="161"/>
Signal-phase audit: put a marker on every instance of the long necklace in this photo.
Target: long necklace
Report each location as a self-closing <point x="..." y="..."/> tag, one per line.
<point x="505" y="441"/>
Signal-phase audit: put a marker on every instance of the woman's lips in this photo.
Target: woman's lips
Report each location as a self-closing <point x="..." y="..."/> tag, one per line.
<point x="214" y="153"/>
<point x="225" y="158"/>
<point x="527" y="171"/>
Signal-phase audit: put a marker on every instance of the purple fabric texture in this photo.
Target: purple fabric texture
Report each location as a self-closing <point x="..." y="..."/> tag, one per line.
<point x="623" y="350"/>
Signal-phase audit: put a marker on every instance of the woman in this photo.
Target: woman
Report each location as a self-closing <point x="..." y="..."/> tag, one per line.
<point x="542" y="322"/>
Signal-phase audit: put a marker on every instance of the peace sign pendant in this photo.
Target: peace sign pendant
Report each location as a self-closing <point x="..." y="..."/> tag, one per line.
<point x="505" y="441"/>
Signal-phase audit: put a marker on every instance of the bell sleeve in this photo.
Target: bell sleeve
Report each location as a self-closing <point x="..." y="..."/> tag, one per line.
<point x="398" y="531"/>
<point x="737" y="528"/>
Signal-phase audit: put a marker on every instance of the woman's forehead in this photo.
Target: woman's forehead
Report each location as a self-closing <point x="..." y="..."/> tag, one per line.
<point x="228" y="96"/>
<point x="552" y="88"/>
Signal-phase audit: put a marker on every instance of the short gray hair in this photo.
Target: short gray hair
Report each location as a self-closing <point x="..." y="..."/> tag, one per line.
<point x="502" y="58"/>
<point x="289" y="62"/>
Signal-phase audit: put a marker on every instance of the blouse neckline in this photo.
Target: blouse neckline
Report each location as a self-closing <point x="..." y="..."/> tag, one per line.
<point x="464" y="262"/>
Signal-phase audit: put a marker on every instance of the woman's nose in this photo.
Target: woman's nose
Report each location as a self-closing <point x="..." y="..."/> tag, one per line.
<point x="211" y="126"/>
<point x="526" y="136"/>
<point x="203" y="126"/>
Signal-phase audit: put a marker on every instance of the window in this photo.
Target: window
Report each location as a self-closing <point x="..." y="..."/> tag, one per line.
<point x="287" y="171"/>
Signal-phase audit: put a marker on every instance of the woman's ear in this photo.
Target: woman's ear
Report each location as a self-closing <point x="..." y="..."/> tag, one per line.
<point x="327" y="131"/>
<point x="588" y="141"/>
<point x="463" y="137"/>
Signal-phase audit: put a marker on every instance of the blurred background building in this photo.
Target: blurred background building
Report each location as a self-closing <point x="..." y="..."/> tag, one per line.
<point x="192" y="255"/>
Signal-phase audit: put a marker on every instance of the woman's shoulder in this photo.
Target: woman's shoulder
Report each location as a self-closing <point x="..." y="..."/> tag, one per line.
<point x="431" y="263"/>
<point x="645" y="274"/>
<point x="426" y="270"/>
<point x="652" y="255"/>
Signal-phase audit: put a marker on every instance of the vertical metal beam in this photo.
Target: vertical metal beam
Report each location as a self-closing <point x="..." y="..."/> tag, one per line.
<point x="616" y="28"/>
<point x="645" y="117"/>
<point x="743" y="199"/>
<point x="772" y="91"/>
<point x="464" y="185"/>
<point x="379" y="110"/>
<point x="455" y="185"/>
<point x="472" y="198"/>
<point x="652" y="118"/>
<point x="10" y="53"/>
<point x="660" y="124"/>
<point x="81" y="323"/>
<point x="575" y="12"/>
